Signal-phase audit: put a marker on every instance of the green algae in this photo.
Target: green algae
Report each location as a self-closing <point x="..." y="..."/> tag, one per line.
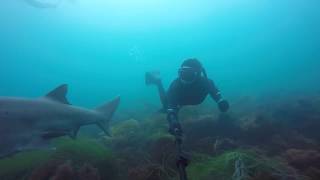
<point x="222" y="167"/>
<point x="205" y="166"/>
<point x="82" y="150"/>
<point x="126" y="128"/>
<point x="160" y="135"/>
<point x="134" y="133"/>
<point x="16" y="167"/>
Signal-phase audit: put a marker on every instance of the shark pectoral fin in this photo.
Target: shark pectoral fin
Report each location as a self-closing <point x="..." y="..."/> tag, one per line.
<point x="59" y="94"/>
<point x="36" y="143"/>
<point x="104" y="128"/>
<point x="52" y="134"/>
<point x="73" y="134"/>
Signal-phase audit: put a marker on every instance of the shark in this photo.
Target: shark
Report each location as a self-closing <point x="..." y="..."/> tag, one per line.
<point x="29" y="124"/>
<point x="45" y="4"/>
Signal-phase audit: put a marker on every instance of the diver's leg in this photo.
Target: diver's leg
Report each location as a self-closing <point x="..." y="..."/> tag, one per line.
<point x="163" y="96"/>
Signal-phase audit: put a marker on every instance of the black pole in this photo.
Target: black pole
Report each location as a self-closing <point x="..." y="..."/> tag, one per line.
<point x="182" y="160"/>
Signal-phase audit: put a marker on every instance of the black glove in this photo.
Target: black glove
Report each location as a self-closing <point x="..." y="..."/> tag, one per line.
<point x="182" y="160"/>
<point x="223" y="105"/>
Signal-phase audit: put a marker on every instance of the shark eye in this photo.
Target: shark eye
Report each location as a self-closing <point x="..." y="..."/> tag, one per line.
<point x="6" y="113"/>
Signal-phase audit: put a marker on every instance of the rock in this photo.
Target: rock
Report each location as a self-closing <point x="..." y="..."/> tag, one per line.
<point x="64" y="172"/>
<point x="88" y="172"/>
<point x="313" y="173"/>
<point x="148" y="172"/>
<point x="162" y="151"/>
<point x="45" y="171"/>
<point x="263" y="176"/>
<point x="56" y="170"/>
<point x="224" y="144"/>
<point x="303" y="159"/>
<point x="203" y="145"/>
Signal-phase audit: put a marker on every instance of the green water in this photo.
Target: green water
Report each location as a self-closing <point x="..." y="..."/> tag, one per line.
<point x="102" y="48"/>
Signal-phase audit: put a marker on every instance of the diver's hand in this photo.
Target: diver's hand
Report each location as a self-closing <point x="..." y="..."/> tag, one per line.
<point x="223" y="105"/>
<point x="182" y="160"/>
<point x="152" y="78"/>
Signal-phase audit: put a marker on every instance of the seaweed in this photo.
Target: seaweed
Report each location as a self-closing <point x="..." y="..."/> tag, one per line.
<point x="238" y="165"/>
<point x="69" y="155"/>
<point x="81" y="150"/>
<point x="269" y="142"/>
<point x="18" y="166"/>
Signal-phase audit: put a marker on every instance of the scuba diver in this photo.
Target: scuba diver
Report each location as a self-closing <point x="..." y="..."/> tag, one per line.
<point x="190" y="88"/>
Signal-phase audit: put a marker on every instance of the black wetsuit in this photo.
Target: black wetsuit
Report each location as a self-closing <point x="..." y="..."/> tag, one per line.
<point x="180" y="94"/>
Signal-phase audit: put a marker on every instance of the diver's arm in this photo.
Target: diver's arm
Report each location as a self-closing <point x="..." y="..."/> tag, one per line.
<point x="173" y="109"/>
<point x="163" y="95"/>
<point x="214" y="91"/>
<point x="174" y="125"/>
<point x="217" y="97"/>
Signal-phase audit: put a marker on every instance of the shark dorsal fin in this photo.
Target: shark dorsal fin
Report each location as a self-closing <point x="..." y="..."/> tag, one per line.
<point x="59" y="94"/>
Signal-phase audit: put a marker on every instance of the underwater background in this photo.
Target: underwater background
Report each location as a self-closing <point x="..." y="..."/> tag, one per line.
<point x="263" y="55"/>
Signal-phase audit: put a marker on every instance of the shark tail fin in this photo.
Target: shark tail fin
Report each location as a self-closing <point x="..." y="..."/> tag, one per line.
<point x="107" y="110"/>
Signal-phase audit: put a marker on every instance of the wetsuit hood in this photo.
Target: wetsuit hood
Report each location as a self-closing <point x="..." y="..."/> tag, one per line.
<point x="190" y="71"/>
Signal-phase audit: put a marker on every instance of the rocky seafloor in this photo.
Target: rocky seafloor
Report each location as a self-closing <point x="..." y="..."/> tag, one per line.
<point x="257" y="140"/>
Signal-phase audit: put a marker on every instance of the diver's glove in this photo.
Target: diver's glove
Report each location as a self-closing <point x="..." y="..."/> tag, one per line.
<point x="152" y="78"/>
<point x="182" y="160"/>
<point x="223" y="105"/>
